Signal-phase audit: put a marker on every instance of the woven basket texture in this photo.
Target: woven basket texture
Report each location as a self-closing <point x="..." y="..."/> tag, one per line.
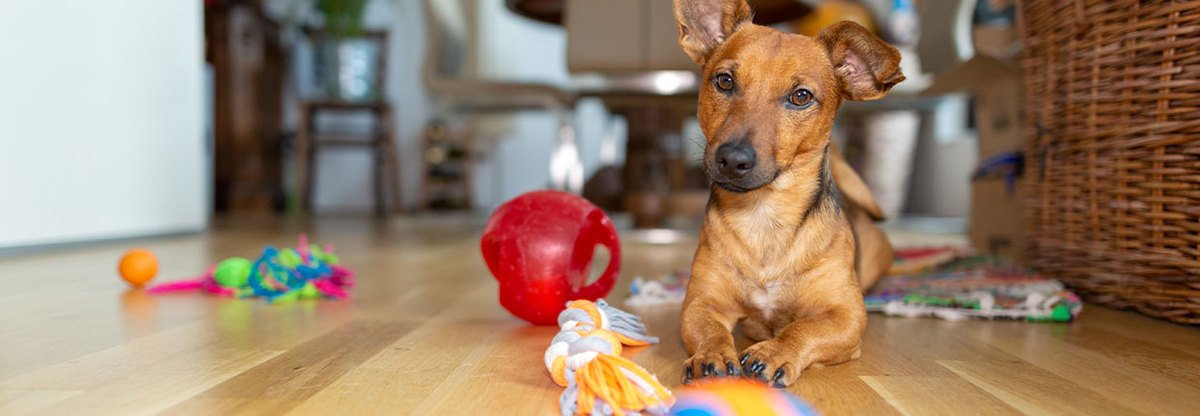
<point x="1113" y="150"/>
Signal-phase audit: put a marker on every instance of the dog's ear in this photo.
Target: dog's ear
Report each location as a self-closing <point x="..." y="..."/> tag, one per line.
<point x="704" y="24"/>
<point x="868" y="66"/>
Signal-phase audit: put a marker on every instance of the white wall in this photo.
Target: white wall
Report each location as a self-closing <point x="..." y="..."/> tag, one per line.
<point x="100" y="120"/>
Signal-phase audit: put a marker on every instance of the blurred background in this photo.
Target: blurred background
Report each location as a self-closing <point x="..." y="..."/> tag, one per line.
<point x="153" y="117"/>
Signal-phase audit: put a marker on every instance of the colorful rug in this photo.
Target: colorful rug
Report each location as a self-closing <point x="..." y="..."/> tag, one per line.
<point x="945" y="282"/>
<point x="975" y="287"/>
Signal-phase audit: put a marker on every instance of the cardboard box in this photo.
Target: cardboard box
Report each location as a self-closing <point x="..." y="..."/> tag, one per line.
<point x="994" y="80"/>
<point x="997" y="224"/>
<point x="999" y="98"/>
<point x="995" y="41"/>
<point x="996" y="216"/>
<point x="623" y="35"/>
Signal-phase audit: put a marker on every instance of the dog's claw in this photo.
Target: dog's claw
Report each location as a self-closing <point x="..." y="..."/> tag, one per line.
<point x="745" y="357"/>
<point x="777" y="380"/>
<point x="710" y="369"/>
<point x="755" y="369"/>
<point x="687" y="374"/>
<point x="729" y="369"/>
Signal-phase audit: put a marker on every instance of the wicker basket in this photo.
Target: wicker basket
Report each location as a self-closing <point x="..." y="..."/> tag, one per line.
<point x="1113" y="150"/>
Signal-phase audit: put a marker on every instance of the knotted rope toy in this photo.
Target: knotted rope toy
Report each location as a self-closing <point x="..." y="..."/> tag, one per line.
<point x="304" y="272"/>
<point x="585" y="357"/>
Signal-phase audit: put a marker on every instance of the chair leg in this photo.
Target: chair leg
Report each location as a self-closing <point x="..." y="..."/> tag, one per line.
<point x="384" y="163"/>
<point x="391" y="158"/>
<point x="310" y="179"/>
<point x="377" y="177"/>
<point x="304" y="157"/>
<point x="377" y="162"/>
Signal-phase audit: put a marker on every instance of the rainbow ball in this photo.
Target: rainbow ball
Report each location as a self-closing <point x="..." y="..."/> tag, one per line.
<point x="138" y="266"/>
<point x="737" y="396"/>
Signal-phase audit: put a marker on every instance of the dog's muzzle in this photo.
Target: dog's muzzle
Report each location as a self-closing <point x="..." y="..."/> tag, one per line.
<point x="733" y="168"/>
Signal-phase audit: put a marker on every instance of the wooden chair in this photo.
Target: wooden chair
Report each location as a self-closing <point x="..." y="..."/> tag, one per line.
<point x="380" y="140"/>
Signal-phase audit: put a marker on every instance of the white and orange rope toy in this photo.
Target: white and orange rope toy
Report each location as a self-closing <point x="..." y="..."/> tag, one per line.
<point x="585" y="357"/>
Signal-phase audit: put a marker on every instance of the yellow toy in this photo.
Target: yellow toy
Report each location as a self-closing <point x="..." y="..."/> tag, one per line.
<point x="585" y="357"/>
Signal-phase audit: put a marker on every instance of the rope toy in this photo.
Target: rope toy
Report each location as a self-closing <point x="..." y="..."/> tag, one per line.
<point x="304" y="272"/>
<point x="585" y="357"/>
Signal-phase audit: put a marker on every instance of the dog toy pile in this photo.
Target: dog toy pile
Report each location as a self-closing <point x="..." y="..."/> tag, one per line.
<point x="738" y="396"/>
<point x="585" y="357"/>
<point x="977" y="287"/>
<point x="304" y="272"/>
<point x="664" y="290"/>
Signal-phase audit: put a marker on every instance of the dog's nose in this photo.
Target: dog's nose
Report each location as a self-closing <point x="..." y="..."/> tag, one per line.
<point x="735" y="160"/>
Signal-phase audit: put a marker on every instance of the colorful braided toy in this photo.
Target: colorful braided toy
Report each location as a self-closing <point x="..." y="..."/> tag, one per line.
<point x="585" y="357"/>
<point x="304" y="272"/>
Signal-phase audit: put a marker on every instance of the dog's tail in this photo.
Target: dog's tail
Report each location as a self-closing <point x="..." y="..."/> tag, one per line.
<point x="873" y="251"/>
<point x="852" y="186"/>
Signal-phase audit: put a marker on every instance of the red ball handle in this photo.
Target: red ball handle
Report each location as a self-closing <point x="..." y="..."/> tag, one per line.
<point x="602" y="227"/>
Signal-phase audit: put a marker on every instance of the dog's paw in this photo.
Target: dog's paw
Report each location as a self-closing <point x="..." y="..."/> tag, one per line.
<point x="771" y="362"/>
<point x="710" y="364"/>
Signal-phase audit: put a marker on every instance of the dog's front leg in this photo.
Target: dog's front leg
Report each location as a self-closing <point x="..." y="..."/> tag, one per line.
<point x="707" y="329"/>
<point x="827" y="338"/>
<point x="710" y="310"/>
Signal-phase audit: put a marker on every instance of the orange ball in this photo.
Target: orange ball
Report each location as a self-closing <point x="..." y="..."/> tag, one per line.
<point x="138" y="266"/>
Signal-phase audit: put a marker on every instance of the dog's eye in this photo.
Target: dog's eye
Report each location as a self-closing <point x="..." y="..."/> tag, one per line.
<point x="801" y="98"/>
<point x="724" y="82"/>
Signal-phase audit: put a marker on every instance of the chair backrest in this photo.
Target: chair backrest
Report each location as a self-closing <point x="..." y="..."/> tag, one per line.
<point x="448" y="41"/>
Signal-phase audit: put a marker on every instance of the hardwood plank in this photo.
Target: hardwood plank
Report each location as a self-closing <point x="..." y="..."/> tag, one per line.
<point x="1140" y="353"/>
<point x="490" y="378"/>
<point x="162" y="369"/>
<point x="1033" y="390"/>
<point x="285" y="381"/>
<point x="840" y="390"/>
<point x="26" y="401"/>
<point x="937" y="396"/>
<point x="180" y="350"/>
<point x="1134" y="326"/>
<point x="419" y="362"/>
<point x="149" y="392"/>
<point x="1144" y="390"/>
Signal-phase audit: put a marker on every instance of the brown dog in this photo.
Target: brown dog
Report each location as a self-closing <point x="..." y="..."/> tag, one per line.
<point x="777" y="249"/>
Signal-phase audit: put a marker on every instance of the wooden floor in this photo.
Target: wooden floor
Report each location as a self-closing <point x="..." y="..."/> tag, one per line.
<point x="424" y="335"/>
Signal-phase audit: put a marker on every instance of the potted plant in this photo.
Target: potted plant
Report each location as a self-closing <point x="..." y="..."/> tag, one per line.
<point x="342" y="18"/>
<point x="347" y="56"/>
